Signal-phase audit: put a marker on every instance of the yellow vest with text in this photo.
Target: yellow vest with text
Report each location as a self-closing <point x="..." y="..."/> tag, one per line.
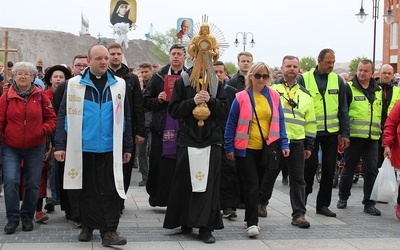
<point x="365" y="118"/>
<point x="300" y="121"/>
<point x="326" y="107"/>
<point x="395" y="98"/>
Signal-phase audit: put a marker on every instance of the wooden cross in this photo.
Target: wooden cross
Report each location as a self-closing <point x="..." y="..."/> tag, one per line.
<point x="6" y="50"/>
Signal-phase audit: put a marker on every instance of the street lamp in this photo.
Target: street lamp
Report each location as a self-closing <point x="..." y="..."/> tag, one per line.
<point x="244" y="35"/>
<point x="362" y="16"/>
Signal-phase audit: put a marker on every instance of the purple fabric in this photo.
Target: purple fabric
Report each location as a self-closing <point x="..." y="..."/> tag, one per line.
<point x="169" y="136"/>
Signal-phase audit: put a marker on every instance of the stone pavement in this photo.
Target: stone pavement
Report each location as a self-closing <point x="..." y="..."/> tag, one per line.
<point x="142" y="226"/>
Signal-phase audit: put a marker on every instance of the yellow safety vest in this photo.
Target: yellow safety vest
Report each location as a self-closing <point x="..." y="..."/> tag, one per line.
<point x="300" y="121"/>
<point x="326" y="107"/>
<point x="365" y="118"/>
<point x="395" y="97"/>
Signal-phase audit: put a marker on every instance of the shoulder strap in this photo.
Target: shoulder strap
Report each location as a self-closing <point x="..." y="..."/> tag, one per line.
<point x="258" y="122"/>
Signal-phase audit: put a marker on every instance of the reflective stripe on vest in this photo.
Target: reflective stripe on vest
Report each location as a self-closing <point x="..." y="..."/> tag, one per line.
<point x="246" y="117"/>
<point x="365" y="119"/>
<point x="326" y="107"/>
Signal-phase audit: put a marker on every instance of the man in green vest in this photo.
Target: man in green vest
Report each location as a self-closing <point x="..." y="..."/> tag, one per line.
<point x="364" y="98"/>
<point x="328" y="92"/>
<point x="301" y="129"/>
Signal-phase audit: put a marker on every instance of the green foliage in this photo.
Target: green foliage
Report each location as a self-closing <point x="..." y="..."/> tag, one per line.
<point x="231" y="67"/>
<point x="307" y="63"/>
<point x="162" y="44"/>
<point x="354" y="63"/>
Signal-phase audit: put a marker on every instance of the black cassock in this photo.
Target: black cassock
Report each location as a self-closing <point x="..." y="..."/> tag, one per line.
<point x="187" y="208"/>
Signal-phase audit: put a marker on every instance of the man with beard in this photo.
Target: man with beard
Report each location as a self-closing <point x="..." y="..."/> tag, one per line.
<point x="301" y="129"/>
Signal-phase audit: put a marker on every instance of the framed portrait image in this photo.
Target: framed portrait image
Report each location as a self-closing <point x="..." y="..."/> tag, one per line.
<point x="123" y="11"/>
<point x="184" y="29"/>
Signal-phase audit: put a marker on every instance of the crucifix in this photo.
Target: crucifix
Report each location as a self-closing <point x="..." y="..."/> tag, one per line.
<point x="6" y="50"/>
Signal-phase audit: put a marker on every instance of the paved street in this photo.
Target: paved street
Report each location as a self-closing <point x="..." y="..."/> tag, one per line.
<point x="142" y="225"/>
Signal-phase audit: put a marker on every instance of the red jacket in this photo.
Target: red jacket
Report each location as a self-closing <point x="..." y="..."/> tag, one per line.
<point x="26" y="125"/>
<point x="391" y="134"/>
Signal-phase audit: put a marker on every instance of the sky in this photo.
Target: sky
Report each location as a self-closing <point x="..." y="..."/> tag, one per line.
<point x="296" y="27"/>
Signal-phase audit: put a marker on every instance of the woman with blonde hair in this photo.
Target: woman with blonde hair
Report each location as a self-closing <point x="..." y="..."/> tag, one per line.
<point x="255" y="129"/>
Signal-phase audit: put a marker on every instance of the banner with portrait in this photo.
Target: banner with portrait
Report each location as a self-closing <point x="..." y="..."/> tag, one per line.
<point x="123" y="18"/>
<point x="184" y="29"/>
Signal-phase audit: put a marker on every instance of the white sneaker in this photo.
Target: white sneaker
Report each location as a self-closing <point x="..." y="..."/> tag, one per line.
<point x="253" y="231"/>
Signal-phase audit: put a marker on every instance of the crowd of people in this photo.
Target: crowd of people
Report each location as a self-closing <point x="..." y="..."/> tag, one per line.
<point x="206" y="143"/>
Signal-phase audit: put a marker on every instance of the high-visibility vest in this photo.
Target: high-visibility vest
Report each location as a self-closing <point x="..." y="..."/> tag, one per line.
<point x="246" y="117"/>
<point x="326" y="107"/>
<point x="395" y="98"/>
<point x="300" y="121"/>
<point x="365" y="118"/>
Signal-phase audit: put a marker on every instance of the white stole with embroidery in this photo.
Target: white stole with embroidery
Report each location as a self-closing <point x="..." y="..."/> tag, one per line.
<point x="73" y="159"/>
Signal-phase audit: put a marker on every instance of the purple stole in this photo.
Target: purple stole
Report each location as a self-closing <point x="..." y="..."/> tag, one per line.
<point x="169" y="137"/>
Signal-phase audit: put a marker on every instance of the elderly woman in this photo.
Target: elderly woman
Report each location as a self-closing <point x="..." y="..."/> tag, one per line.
<point x="255" y="121"/>
<point x="26" y="118"/>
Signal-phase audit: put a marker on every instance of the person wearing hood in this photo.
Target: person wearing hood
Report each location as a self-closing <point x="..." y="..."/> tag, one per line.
<point x="135" y="98"/>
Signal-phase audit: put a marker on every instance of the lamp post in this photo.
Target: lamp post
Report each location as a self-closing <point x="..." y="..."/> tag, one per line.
<point x="362" y="16"/>
<point x="244" y="41"/>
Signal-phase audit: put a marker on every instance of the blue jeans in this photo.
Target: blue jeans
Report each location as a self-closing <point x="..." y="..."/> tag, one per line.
<point x="12" y="157"/>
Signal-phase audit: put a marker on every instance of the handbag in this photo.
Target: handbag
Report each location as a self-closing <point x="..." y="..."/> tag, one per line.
<point x="270" y="154"/>
<point x="385" y="186"/>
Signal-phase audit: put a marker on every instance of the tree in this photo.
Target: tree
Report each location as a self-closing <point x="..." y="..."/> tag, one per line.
<point x="307" y="63"/>
<point x="354" y="63"/>
<point x="163" y="43"/>
<point x="230" y="66"/>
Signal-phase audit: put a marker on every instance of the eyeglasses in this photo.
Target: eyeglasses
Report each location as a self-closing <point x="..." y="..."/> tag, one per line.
<point x="264" y="76"/>
<point x="23" y="74"/>
<point x="81" y="65"/>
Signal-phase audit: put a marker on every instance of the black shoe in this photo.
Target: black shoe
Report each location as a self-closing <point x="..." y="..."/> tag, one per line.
<point x="341" y="204"/>
<point x="229" y="213"/>
<point x="85" y="234"/>
<point x="325" y="211"/>
<point x="27" y="225"/>
<point x="372" y="211"/>
<point x="285" y="181"/>
<point x="142" y="183"/>
<point x="112" y="238"/>
<point x="186" y="230"/>
<point x="11" y="227"/>
<point x="49" y="206"/>
<point x="206" y="236"/>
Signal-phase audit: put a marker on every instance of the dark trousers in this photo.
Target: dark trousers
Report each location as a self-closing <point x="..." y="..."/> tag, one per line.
<point x="368" y="150"/>
<point x="230" y="191"/>
<point x="328" y="146"/>
<point x="295" y="165"/>
<point x="252" y="173"/>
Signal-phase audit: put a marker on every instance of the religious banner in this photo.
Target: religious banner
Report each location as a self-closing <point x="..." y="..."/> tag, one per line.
<point x="123" y="18"/>
<point x="185" y="27"/>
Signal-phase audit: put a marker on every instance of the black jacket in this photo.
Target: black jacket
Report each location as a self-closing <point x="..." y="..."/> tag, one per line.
<point x="135" y="98"/>
<point x="237" y="81"/>
<point x="159" y="110"/>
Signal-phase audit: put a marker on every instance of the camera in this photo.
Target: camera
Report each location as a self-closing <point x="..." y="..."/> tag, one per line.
<point x="292" y="103"/>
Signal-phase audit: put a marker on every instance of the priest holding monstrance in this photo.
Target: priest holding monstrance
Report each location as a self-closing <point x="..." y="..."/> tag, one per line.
<point x="200" y="103"/>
